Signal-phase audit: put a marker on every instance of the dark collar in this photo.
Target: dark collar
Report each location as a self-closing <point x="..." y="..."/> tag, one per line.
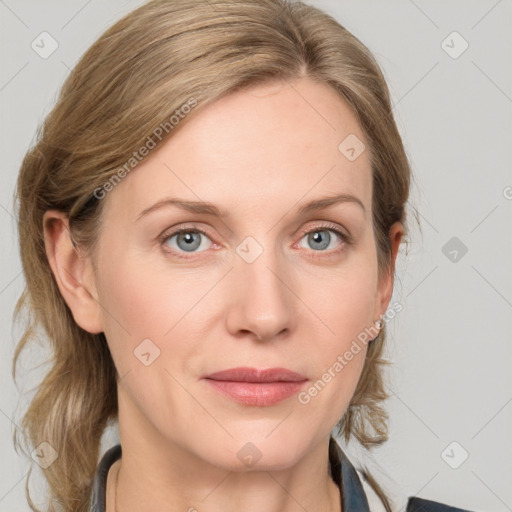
<point x="99" y="485"/>
<point x="353" y="497"/>
<point x="342" y="471"/>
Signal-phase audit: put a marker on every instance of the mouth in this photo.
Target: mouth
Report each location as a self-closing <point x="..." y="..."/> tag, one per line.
<point x="256" y="387"/>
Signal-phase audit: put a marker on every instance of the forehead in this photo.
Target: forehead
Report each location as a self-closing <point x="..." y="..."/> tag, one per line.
<point x="265" y="147"/>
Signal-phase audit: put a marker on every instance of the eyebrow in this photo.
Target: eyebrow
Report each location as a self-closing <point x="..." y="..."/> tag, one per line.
<point x="210" y="209"/>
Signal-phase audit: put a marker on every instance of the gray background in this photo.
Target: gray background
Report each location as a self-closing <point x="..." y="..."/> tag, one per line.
<point x="451" y="345"/>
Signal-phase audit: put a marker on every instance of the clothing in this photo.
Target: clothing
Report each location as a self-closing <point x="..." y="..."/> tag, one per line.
<point x="354" y="498"/>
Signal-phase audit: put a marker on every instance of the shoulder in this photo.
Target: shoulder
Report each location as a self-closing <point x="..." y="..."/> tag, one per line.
<point x="414" y="504"/>
<point x="357" y="489"/>
<point x="422" y="505"/>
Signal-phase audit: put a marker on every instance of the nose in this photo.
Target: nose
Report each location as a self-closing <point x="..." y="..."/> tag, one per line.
<point x="261" y="302"/>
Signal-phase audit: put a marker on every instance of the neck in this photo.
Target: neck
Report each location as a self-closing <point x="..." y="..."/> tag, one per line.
<point x="159" y="474"/>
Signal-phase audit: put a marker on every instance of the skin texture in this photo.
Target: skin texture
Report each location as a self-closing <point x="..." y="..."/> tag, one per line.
<point x="259" y="154"/>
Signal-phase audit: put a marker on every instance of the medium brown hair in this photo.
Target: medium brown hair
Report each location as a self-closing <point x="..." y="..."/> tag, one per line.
<point x="131" y="80"/>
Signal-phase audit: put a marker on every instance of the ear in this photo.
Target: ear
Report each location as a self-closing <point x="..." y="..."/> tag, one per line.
<point x="73" y="272"/>
<point x="385" y="287"/>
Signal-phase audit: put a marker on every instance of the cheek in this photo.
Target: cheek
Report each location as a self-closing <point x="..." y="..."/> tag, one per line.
<point x="339" y="350"/>
<point x="141" y="301"/>
<point x="341" y="323"/>
<point x="343" y="301"/>
<point x="129" y="303"/>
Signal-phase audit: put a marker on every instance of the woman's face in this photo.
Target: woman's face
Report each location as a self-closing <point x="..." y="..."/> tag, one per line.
<point x="248" y="287"/>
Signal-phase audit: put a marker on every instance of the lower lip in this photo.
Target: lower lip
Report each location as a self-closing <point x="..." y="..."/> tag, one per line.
<point x="258" y="394"/>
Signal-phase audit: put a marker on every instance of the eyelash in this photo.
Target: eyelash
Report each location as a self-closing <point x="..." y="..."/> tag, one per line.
<point x="345" y="238"/>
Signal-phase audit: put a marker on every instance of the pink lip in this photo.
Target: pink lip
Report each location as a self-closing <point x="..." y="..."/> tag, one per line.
<point x="251" y="386"/>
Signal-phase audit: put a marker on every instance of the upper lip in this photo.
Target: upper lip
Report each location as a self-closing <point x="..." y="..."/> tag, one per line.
<point x="246" y="374"/>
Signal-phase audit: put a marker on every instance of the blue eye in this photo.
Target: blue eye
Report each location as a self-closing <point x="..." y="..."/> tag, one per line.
<point x="191" y="240"/>
<point x="320" y="238"/>
<point x="186" y="240"/>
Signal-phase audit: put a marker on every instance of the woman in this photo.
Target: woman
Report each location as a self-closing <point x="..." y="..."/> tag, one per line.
<point x="209" y="224"/>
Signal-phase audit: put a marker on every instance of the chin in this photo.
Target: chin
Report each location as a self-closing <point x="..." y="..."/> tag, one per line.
<point x="260" y="452"/>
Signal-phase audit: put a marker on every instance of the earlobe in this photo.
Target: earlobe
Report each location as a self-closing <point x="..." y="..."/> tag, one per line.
<point x="73" y="272"/>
